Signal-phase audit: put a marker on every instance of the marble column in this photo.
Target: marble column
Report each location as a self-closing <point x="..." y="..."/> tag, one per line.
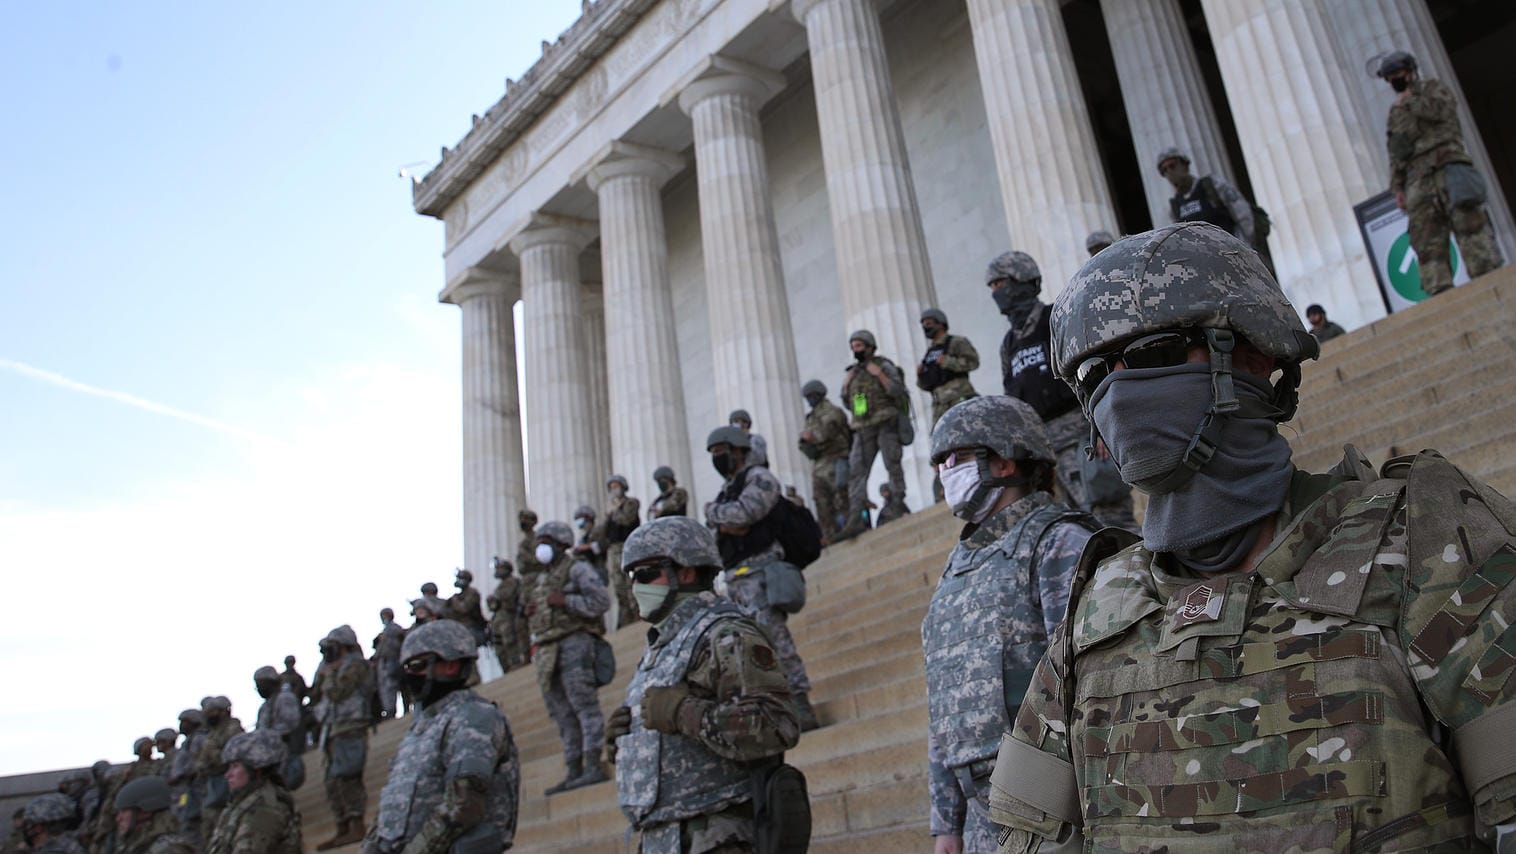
<point x="1051" y="180"/>
<point x="592" y="309"/>
<point x="1368" y="28"/>
<point x="558" y="384"/>
<point x="494" y="484"/>
<point x="642" y="345"/>
<point x="752" y="345"/>
<point x="1308" y="144"/>
<point x="1165" y="97"/>
<point x="882" y="266"/>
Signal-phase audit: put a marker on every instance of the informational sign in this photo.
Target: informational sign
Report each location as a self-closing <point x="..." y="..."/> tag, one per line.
<point x="1383" y="226"/>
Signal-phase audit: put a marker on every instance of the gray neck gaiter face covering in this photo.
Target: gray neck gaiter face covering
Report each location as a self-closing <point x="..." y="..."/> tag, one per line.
<point x="1147" y="417"/>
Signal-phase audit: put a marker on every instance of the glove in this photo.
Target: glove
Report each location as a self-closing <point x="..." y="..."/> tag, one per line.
<point x="660" y="707"/>
<point x="556" y="599"/>
<point x="620" y="724"/>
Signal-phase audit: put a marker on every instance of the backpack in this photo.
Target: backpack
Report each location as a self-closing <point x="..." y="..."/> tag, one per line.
<point x="797" y="531"/>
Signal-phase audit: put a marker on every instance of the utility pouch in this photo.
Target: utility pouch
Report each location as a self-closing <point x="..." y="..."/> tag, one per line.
<point x="605" y="662"/>
<point x="1465" y="186"/>
<point x="860" y="404"/>
<point x="781" y="809"/>
<point x="484" y="838"/>
<point x="785" y="585"/>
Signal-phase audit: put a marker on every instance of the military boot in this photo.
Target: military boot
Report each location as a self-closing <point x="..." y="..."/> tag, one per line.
<point x="594" y="772"/>
<point x="805" y="714"/>
<point x="575" y="771"/>
<point x="855" y="526"/>
<point x="346" y="829"/>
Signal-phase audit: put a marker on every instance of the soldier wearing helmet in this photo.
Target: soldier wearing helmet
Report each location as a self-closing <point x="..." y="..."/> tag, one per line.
<point x="758" y="452"/>
<point x="592" y="544"/>
<point x="1433" y="177"/>
<point x="1026" y="366"/>
<point x="944" y="372"/>
<point x="707" y="702"/>
<point x="293" y="677"/>
<point x="527" y="565"/>
<point x="261" y="814"/>
<point x="343" y="681"/>
<point x="436" y="608"/>
<point x="507" y="621"/>
<point x="751" y="553"/>
<point x="280" y="712"/>
<point x="104" y="833"/>
<point x="455" y="781"/>
<point x="1000" y="597"/>
<point x="465" y="607"/>
<point x="622" y="516"/>
<point x="165" y="741"/>
<point x="826" y="441"/>
<point x="1212" y="199"/>
<point x="565" y="614"/>
<point x="181" y="774"/>
<point x="386" y="647"/>
<point x="1265" y="609"/>
<point x="873" y="390"/>
<point x="47" y="822"/>
<point x="1098" y="241"/>
<point x="672" y="498"/>
<point x="144" y="823"/>
<point x="15" y="841"/>
<point x="210" y="769"/>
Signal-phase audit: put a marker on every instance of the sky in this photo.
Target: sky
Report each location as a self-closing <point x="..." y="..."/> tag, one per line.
<point x="229" y="398"/>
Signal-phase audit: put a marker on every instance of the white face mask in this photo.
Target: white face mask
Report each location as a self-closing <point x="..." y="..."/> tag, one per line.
<point x="958" y="484"/>
<point x="580" y="522"/>
<point x="544" y="553"/>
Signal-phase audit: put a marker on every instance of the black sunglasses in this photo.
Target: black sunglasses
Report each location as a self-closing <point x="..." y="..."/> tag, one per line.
<point x="1161" y="350"/>
<point x="418" y="664"/>
<point x="648" y="573"/>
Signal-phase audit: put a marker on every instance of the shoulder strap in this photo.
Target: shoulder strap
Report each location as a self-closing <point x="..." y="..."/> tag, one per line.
<point x="1101" y="545"/>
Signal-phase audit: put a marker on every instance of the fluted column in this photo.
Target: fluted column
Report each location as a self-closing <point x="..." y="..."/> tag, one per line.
<point x="558" y="390"/>
<point x="1368" y="28"/>
<point x="1051" y="179"/>
<point x="752" y="345"/>
<point x="494" y="485"/>
<point x="1165" y="97"/>
<point x="592" y="309"/>
<point x="1309" y="148"/>
<point x="642" y="346"/>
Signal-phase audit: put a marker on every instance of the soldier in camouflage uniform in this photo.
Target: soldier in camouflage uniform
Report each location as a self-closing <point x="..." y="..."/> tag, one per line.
<point x="1098" y="241"/>
<point x="280" y="712"/>
<point x="759" y="452"/>
<point x="565" y="613"/>
<point x="293" y="677"/>
<point x="387" y="657"/>
<point x="210" y="769"/>
<point x="531" y="570"/>
<point x="621" y="519"/>
<point x="1211" y="199"/>
<point x="1424" y="139"/>
<point x="1000" y="597"/>
<point x="592" y="544"/>
<point x="261" y="817"/>
<point x="944" y="371"/>
<point x="342" y="683"/>
<point x="435" y="605"/>
<point x="144" y="823"/>
<point x="455" y="781"/>
<point x="1286" y="661"/>
<point x="45" y="823"/>
<point x="506" y="618"/>
<point x="1015" y="282"/>
<point x="464" y="606"/>
<point x="872" y="390"/>
<point x="750" y="552"/>
<point x="826" y="441"/>
<point x="188" y="793"/>
<point x="102" y="835"/>
<point x="15" y="842"/>
<point x="672" y="499"/>
<point x="166" y="741"/>
<point x="707" y="702"/>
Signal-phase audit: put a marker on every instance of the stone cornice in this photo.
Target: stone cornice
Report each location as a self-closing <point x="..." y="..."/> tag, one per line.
<point x="562" y="63"/>
<point x="478" y="282"/>
<point x="624" y="158"/>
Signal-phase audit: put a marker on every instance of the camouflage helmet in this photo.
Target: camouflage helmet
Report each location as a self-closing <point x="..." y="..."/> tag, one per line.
<point x="48" y="809"/>
<point x="865" y="336"/>
<point x="813" y="387"/>
<point x="1098" y="238"/>
<point x="740" y="415"/>
<point x="265" y="674"/>
<point x="662" y="472"/>
<point x="558" y="532"/>
<point x="421" y="605"/>
<point x="1393" y="61"/>
<point x="1014" y="265"/>
<point x="729" y="435"/>
<point x="449" y="640"/>
<point x="527" y="515"/>
<point x="936" y="314"/>
<point x="681" y="539"/>
<point x="343" y="635"/>
<point x="584" y="512"/>
<point x="149" y="794"/>
<point x="464" y="575"/>
<point x="1007" y="426"/>
<point x="289" y="661"/>
<point x="140" y="743"/>
<point x="166" y="734"/>
<point x="1188" y="274"/>
<point x="191" y="716"/>
<point x="616" y="478"/>
<point x="429" y="589"/>
<point x="78" y="778"/>
<point x="1170" y="153"/>
<point x="260" y="748"/>
<point x="221" y="703"/>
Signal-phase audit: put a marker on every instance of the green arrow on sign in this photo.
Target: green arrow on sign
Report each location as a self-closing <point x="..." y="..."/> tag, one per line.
<point x="1404" y="270"/>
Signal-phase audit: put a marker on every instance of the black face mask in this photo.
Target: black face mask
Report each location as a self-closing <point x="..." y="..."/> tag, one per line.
<point x="861" y="355"/>
<point x="1016" y="302"/>
<point x="930" y="332"/>
<point x="428" y="690"/>
<point x="723" y="464"/>
<point x="813" y="399"/>
<point x="526" y="527"/>
<point x="212" y="719"/>
<point x="329" y="653"/>
<point x="1400" y="84"/>
<point x="665" y="485"/>
<point x="265" y="689"/>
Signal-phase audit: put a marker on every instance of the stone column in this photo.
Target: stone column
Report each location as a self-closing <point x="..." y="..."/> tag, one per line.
<point x="558" y="391"/>
<point x="1051" y="180"/>
<point x="752" y="346"/>
<point x="592" y="309"/>
<point x="642" y="345"/>
<point x="1310" y="149"/>
<point x="494" y="483"/>
<point x="882" y="266"/>
<point x="1165" y="97"/>
<point x="1368" y="28"/>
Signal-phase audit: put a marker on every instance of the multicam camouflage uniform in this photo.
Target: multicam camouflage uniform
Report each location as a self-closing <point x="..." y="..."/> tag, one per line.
<point x="948" y="364"/>
<point x="104" y="831"/>
<point x="564" y="637"/>
<point x="343" y="684"/>
<point x="833" y="442"/>
<point x="691" y="791"/>
<point x="1423" y="137"/>
<point x="876" y="428"/>
<point x="187" y="789"/>
<point x="506" y="622"/>
<point x="262" y="817"/>
<point x="387" y="651"/>
<point x="620" y="521"/>
<point x="674" y="502"/>
<point x="210" y="771"/>
<point x="158" y="835"/>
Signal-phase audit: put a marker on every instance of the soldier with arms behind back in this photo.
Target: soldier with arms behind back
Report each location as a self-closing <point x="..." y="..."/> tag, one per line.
<point x="1286" y="661"/>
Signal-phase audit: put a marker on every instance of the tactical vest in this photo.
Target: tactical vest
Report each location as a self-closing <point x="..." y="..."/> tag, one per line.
<point x="550" y="624"/>
<point x="662" y="778"/>
<point x="736" y="548"/>
<point x="866" y="397"/>
<point x="260" y="796"/>
<point x="423" y="767"/>
<point x="353" y="707"/>
<point x="979" y="659"/>
<point x="1203" y="204"/>
<point x="657" y="511"/>
<point x="934" y="375"/>
<point x="1028" y="370"/>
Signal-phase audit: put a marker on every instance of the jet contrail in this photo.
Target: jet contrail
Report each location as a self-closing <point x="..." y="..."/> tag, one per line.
<point x="130" y="400"/>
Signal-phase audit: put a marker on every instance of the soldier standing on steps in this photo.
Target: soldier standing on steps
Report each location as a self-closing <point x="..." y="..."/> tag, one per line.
<point x="505" y="616"/>
<point x="826" y="441"/>
<point x="342" y="681"/>
<point x="1001" y="595"/>
<point x="261" y="817"/>
<point x="281" y="712"/>
<point x="672" y="498"/>
<point x="872" y="390"/>
<point x="621" y="519"/>
<point x="210" y="769"/>
<point x="708" y="701"/>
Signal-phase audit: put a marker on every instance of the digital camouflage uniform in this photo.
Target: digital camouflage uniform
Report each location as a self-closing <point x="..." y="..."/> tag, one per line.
<point x="387" y="653"/>
<point x="104" y="831"/>
<point x="620" y="521"/>
<point x="829" y="481"/>
<point x="690" y="791"/>
<point x="187" y="789"/>
<point x="876" y="430"/>
<point x="464" y="607"/>
<point x="281" y="713"/>
<point x="948" y="364"/>
<point x="210" y="771"/>
<point x="1423" y="137"/>
<point x="593" y="536"/>
<point x="675" y="502"/>
<point x="54" y="809"/>
<point x="1001" y="595"/>
<point x="507" y="625"/>
<point x="343" y="685"/>
<point x="564" y="637"/>
<point x="261" y="819"/>
<point x="158" y="835"/>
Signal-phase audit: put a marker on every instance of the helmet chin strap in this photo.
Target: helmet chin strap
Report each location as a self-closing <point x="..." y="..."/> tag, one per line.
<point x="671" y="575"/>
<point x="987" y="484"/>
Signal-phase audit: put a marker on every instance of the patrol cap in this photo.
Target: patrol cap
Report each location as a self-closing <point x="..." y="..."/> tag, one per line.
<point x="149" y="794"/>
<point x="936" y="314"/>
<point x="265" y="674"/>
<point x="740" y="415"/>
<point x="865" y="336"/>
<point x="140" y="743"/>
<point x="616" y="478"/>
<point x="166" y="734"/>
<point x="558" y="532"/>
<point x="681" y="539"/>
<point x="344" y="635"/>
<point x="1170" y="153"/>
<point x="261" y="748"/>
<point x="1014" y="265"/>
<point x="217" y="703"/>
<point x="662" y="472"/>
<point x="1007" y="426"/>
<point x="729" y="435"/>
<point x="49" y="808"/>
<point x="813" y="387"/>
<point x="1395" y="60"/>
<point x="1098" y="239"/>
<point x="447" y="639"/>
